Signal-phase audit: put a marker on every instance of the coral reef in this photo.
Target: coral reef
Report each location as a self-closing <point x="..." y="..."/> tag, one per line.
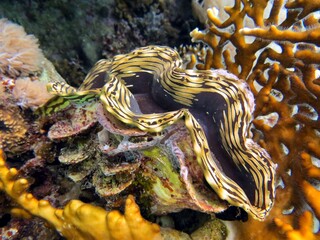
<point x="85" y="221"/>
<point x="157" y="21"/>
<point x="24" y="74"/>
<point x="21" y="95"/>
<point x="77" y="219"/>
<point x="20" y="129"/>
<point x="272" y="45"/>
<point x="278" y="57"/>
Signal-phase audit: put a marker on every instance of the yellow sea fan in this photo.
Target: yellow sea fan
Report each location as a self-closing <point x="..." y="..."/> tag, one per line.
<point x="77" y="220"/>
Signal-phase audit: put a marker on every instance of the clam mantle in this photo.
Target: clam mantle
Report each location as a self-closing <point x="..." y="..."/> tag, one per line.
<point x="215" y="106"/>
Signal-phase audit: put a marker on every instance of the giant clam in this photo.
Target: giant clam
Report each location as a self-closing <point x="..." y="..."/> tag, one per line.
<point x="215" y="106"/>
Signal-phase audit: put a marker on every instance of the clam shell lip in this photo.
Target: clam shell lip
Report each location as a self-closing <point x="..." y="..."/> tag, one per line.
<point x="109" y="122"/>
<point x="80" y="122"/>
<point x="73" y="156"/>
<point x="64" y="129"/>
<point x="108" y="185"/>
<point x="113" y="169"/>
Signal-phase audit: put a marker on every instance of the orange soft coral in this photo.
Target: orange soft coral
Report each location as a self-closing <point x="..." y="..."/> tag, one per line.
<point x="303" y="232"/>
<point x="77" y="220"/>
<point x="309" y="191"/>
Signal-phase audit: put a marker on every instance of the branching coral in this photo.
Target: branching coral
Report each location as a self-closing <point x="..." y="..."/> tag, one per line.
<point x="305" y="230"/>
<point x="77" y="220"/>
<point x="279" y="59"/>
<point x="19" y="52"/>
<point x="309" y="191"/>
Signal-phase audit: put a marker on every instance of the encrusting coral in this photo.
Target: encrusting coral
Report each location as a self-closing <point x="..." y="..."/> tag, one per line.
<point x="278" y="56"/>
<point x="13" y="129"/>
<point x="77" y="220"/>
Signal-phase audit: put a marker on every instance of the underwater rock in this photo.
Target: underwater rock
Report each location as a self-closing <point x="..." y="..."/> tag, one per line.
<point x="213" y="229"/>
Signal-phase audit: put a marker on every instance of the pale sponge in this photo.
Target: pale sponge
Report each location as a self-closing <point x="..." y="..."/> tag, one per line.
<point x="20" y="54"/>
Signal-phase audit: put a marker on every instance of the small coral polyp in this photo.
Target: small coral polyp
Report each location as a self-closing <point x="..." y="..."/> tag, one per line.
<point x="237" y="168"/>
